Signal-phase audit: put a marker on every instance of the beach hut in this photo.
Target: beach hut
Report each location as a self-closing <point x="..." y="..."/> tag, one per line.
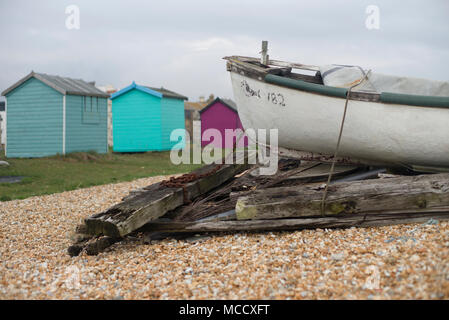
<point x="220" y="114"/>
<point x="144" y="117"/>
<point x="48" y="115"/>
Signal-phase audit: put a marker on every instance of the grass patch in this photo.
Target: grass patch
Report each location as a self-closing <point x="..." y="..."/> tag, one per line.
<point x="83" y="169"/>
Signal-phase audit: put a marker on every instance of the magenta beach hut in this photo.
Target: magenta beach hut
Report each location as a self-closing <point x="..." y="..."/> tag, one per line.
<point x="220" y="114"/>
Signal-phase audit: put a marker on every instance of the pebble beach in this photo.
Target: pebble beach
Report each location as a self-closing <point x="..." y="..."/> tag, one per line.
<point x="392" y="262"/>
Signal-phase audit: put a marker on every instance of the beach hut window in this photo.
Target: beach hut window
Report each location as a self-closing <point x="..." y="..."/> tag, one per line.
<point x="91" y="112"/>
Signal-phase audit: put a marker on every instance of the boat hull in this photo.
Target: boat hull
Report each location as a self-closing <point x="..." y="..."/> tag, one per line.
<point x="373" y="131"/>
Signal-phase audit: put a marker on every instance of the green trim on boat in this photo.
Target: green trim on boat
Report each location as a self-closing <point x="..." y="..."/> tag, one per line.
<point x="306" y="86"/>
<point x="386" y="97"/>
<point x="414" y="100"/>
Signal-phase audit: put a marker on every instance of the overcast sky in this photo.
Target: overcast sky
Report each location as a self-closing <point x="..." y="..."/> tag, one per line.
<point x="179" y="44"/>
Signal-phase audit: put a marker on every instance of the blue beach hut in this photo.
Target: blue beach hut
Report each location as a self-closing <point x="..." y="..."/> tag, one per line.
<point x="144" y="117"/>
<point x="48" y="115"/>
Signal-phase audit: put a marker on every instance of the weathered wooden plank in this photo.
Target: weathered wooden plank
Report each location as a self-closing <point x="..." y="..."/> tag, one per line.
<point x="228" y="215"/>
<point x="155" y="201"/>
<point x="290" y="172"/>
<point x="321" y="172"/>
<point x="313" y="156"/>
<point x="220" y="199"/>
<point x="99" y="245"/>
<point x="377" y="195"/>
<point x="375" y="219"/>
<point x="92" y="246"/>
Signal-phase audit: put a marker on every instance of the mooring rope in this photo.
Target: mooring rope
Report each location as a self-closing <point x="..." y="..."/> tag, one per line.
<point x="323" y="200"/>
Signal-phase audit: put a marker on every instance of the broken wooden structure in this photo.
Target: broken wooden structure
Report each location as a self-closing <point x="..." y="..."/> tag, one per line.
<point x="234" y="197"/>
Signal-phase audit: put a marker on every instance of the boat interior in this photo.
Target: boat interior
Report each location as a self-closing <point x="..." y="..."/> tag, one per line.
<point x="308" y="78"/>
<point x="295" y="71"/>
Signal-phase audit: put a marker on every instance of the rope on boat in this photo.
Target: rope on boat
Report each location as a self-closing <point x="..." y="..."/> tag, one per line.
<point x="323" y="200"/>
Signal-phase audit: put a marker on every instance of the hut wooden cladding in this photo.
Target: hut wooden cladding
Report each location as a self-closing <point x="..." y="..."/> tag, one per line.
<point x="144" y="117"/>
<point x="48" y="115"/>
<point x="220" y="114"/>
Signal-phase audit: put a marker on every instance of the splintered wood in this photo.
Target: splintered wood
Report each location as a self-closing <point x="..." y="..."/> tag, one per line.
<point x="358" y="197"/>
<point x="218" y="198"/>
<point x="156" y="200"/>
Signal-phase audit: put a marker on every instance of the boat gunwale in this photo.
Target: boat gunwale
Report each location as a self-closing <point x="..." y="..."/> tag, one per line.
<point x="279" y="75"/>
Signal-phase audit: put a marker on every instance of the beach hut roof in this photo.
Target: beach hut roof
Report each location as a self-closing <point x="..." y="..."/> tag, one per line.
<point x="137" y="87"/>
<point x="63" y="85"/>
<point x="168" y="93"/>
<point x="227" y="102"/>
<point x="158" y="92"/>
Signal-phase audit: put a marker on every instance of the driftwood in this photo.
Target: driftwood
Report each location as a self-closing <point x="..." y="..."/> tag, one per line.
<point x="219" y="200"/>
<point x="345" y="221"/>
<point x="230" y="198"/>
<point x="156" y="200"/>
<point x="413" y="193"/>
<point x="290" y="172"/>
<point x="92" y="246"/>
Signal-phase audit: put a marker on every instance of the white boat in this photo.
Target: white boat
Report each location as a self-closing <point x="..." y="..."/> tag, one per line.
<point x="380" y="127"/>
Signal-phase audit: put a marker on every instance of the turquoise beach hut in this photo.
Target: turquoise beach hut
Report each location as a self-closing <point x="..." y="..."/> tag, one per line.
<point x="48" y="115"/>
<point x="144" y="117"/>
